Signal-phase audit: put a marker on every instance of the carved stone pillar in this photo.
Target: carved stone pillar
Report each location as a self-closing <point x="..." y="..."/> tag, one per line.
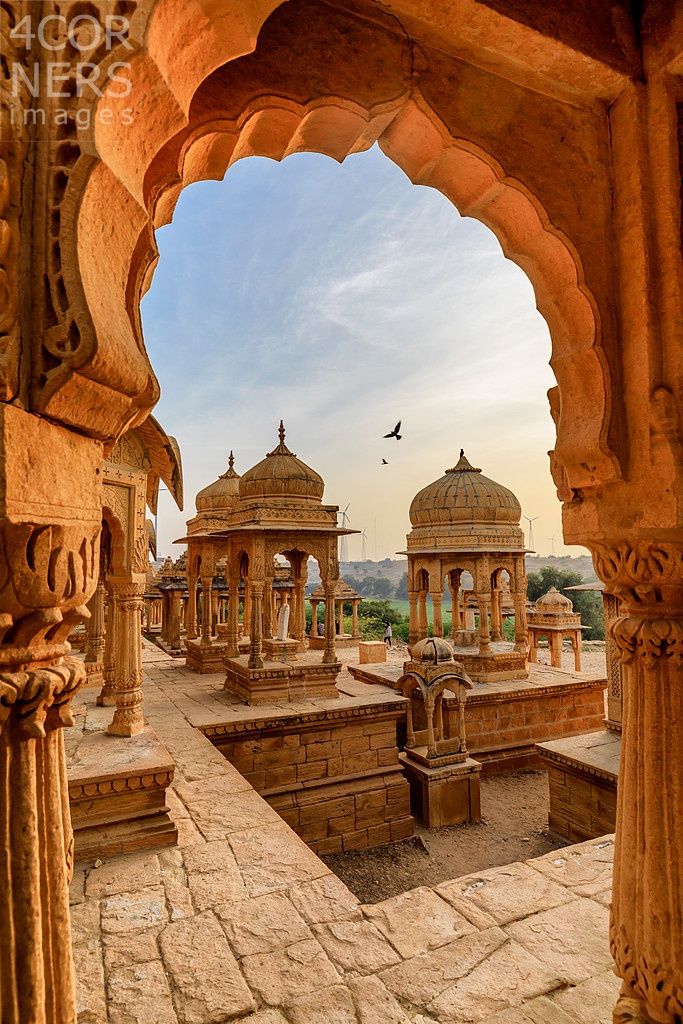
<point x="646" y="932"/>
<point x="455" y="607"/>
<point x="496" y="615"/>
<point x="50" y="522"/>
<point x="314" y="618"/>
<point x="614" y="669"/>
<point x="207" y="610"/>
<point x="422" y="615"/>
<point x="256" y="628"/>
<point x="128" y="719"/>
<point x="437" y="600"/>
<point x="107" y="695"/>
<point x="483" y="601"/>
<point x="268" y="610"/>
<point x="521" y="632"/>
<point x="355" y="630"/>
<point x="94" y="646"/>
<point x="231" y="649"/>
<point x="413" y="618"/>
<point x="191" y="613"/>
<point x="330" y="652"/>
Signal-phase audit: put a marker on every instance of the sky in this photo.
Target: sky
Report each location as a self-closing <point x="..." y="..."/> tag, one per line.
<point x="341" y="298"/>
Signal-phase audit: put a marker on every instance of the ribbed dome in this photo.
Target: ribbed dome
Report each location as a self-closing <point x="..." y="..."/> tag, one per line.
<point x="432" y="650"/>
<point x="464" y="495"/>
<point x="222" y="493"/>
<point x="282" y="475"/>
<point x="554" y="601"/>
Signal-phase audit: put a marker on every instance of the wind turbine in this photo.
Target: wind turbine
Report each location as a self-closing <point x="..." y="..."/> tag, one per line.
<point x="552" y="542"/>
<point x="531" y="522"/>
<point x="343" y="548"/>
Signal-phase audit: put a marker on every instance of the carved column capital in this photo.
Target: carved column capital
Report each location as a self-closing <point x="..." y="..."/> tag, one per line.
<point x="38" y="700"/>
<point x="647" y="580"/>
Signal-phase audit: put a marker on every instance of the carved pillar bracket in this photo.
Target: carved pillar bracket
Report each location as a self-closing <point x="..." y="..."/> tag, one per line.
<point x="646" y="931"/>
<point x="128" y="719"/>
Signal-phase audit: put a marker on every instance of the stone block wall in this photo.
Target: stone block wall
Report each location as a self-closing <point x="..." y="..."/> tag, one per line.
<point x="335" y="779"/>
<point x="581" y="807"/>
<point x="503" y="728"/>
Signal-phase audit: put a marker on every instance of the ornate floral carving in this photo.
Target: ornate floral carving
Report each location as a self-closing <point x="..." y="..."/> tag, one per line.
<point x="39" y="699"/>
<point x="644" y="980"/>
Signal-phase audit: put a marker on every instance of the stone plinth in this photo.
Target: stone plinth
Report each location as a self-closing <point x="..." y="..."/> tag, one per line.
<point x="443" y="795"/>
<point x="281" y="650"/>
<point x="465" y="638"/>
<point x="495" y="667"/>
<point x="317" y="643"/>
<point x="94" y="673"/>
<point x="332" y="773"/>
<point x="117" y="794"/>
<point x="202" y="658"/>
<point x="277" y="681"/>
<point x="372" y="652"/>
<point x="582" y="778"/>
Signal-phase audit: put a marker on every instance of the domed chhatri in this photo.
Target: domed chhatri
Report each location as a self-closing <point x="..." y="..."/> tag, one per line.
<point x="466" y="523"/>
<point x="223" y="493"/>
<point x="554" y="618"/>
<point x="554" y="603"/>
<point x="433" y="650"/>
<point x="470" y="506"/>
<point x="282" y="475"/>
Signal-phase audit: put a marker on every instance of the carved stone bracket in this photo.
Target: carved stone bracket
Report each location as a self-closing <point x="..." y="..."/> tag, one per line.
<point x="39" y="700"/>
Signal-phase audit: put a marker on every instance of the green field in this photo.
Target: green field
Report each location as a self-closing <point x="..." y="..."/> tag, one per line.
<point x="403" y="606"/>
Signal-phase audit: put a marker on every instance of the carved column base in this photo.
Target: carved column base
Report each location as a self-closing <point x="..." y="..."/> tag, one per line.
<point x="36" y="844"/>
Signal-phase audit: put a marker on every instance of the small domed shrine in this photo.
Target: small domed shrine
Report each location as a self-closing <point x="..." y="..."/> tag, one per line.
<point x="462" y="523"/>
<point x="274" y="509"/>
<point x="554" y="618"/>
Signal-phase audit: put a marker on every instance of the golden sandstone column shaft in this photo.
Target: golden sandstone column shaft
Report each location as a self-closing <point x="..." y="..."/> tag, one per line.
<point x="128" y="719"/>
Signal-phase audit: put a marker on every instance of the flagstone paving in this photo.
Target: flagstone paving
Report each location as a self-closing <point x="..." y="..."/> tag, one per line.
<point x="242" y="923"/>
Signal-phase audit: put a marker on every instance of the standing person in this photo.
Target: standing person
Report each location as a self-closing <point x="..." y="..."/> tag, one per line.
<point x="387" y="635"/>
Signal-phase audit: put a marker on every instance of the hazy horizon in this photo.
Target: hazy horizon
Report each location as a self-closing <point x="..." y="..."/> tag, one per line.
<point x="342" y="298"/>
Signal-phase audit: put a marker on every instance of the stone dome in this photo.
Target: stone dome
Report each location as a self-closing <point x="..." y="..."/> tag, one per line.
<point x="463" y="495"/>
<point x="433" y="650"/>
<point x="282" y="475"/>
<point x="223" y="493"/>
<point x="554" y="603"/>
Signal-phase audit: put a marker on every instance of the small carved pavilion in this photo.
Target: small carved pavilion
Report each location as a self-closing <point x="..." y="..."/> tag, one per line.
<point x="466" y="523"/>
<point x="344" y="594"/>
<point x="554" y="618"/>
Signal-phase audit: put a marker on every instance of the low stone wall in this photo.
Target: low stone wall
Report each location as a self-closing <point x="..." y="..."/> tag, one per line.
<point x="582" y="778"/>
<point x="333" y="776"/>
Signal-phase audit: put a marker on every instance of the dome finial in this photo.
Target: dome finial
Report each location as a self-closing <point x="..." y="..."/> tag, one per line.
<point x="231" y="461"/>
<point x="463" y="465"/>
<point x="281" y="432"/>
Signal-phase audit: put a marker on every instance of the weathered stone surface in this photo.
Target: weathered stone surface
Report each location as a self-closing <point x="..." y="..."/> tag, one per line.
<point x="264" y="1017"/>
<point x="123" y="874"/>
<point x="140" y="995"/>
<point x="356" y="947"/>
<point x="569" y="939"/>
<point x="77" y="886"/>
<point x="126" y="912"/>
<point x="544" y="1011"/>
<point x="374" y="1004"/>
<point x="211" y="888"/>
<point x="85" y="922"/>
<point x="221" y="806"/>
<point x="332" y="1005"/>
<point x="418" y="920"/>
<point x="262" y="924"/>
<point x="586" y="868"/>
<point x="324" y="899"/>
<point x="272" y="858"/>
<point x="204" y="974"/>
<point x="422" y="978"/>
<point x="174" y="881"/>
<point x="91" y="1003"/>
<point x="505" y="894"/>
<point x="281" y="975"/>
<point x="506" y="978"/>
<point x="591" y="1002"/>
<point x="128" y="948"/>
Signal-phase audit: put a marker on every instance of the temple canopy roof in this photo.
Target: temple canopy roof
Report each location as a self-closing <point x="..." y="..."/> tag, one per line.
<point x="282" y="475"/>
<point x="223" y="493"/>
<point x="465" y="511"/>
<point x="342" y="592"/>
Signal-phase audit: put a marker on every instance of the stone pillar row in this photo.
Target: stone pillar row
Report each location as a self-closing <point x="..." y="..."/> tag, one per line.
<point x="122" y="671"/>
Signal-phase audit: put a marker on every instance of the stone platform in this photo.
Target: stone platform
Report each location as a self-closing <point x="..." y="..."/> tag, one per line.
<point x="279" y="681"/>
<point x="317" y="643"/>
<point x="204" y="658"/>
<point x="505" y="720"/>
<point x="582" y="777"/>
<point x="117" y="790"/>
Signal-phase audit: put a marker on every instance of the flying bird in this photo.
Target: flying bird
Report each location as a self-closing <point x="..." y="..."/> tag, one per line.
<point x="395" y="432"/>
<point x="384" y="462"/>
